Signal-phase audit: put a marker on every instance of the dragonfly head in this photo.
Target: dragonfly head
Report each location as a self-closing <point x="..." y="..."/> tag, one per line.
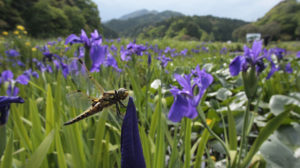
<point x="122" y="93"/>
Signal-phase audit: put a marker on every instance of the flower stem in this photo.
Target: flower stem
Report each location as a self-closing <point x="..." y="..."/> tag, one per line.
<point x="243" y="145"/>
<point x="203" y="120"/>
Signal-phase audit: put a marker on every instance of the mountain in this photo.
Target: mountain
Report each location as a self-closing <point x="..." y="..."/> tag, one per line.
<point x="282" y="22"/>
<point x="134" y="25"/>
<point x="205" y="28"/>
<point x="137" y="14"/>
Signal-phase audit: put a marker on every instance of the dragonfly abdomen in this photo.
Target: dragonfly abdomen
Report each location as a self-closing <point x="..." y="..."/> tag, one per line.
<point x="95" y="109"/>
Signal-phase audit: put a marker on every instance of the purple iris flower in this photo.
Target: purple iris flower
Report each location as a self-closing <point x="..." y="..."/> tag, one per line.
<point x="251" y="58"/>
<point x="97" y="54"/>
<point x="23" y="79"/>
<point x="205" y="49"/>
<point x="7" y="75"/>
<point x="223" y="51"/>
<point x="288" y="68"/>
<point x="5" y="102"/>
<point x="12" y="91"/>
<point x="185" y="101"/>
<point x="164" y="60"/>
<point x="280" y="53"/>
<point x="195" y="51"/>
<point x="20" y="63"/>
<point x="167" y="50"/>
<point x="298" y="54"/>
<point x="131" y="147"/>
<point x="130" y="50"/>
<point x="51" y="43"/>
<point x="95" y="39"/>
<point x="65" y="69"/>
<point x="12" y="53"/>
<point x="111" y="61"/>
<point x="56" y="63"/>
<point x="184" y="52"/>
<point x="149" y="60"/>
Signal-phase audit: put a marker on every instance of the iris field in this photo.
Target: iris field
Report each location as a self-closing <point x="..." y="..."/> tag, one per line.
<point x="198" y="104"/>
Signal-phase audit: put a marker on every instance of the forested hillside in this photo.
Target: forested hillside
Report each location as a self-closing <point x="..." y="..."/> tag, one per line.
<point x="282" y="22"/>
<point x="49" y="18"/>
<point x="194" y="27"/>
<point x="133" y="26"/>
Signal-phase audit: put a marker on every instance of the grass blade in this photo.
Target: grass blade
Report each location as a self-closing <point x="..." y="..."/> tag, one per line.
<point x="7" y="158"/>
<point x="39" y="155"/>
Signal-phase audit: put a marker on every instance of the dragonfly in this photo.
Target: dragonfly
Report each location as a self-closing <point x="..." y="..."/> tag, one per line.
<point x="107" y="99"/>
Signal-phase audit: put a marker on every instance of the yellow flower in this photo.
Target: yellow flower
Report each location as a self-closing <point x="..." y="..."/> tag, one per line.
<point x="19" y="37"/>
<point x="27" y="43"/>
<point x="213" y="158"/>
<point x="5" y="33"/>
<point x="208" y="121"/>
<point x="25" y="32"/>
<point x="20" y="27"/>
<point x="16" y="32"/>
<point x="33" y="49"/>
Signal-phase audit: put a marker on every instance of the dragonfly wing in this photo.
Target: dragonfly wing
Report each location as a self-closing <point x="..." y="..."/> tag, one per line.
<point x="83" y="78"/>
<point x="79" y="100"/>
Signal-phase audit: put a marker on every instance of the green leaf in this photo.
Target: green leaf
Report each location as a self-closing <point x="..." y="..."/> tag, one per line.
<point x="60" y="151"/>
<point x="271" y="126"/>
<point x="2" y="139"/>
<point x="40" y="153"/>
<point x="278" y="102"/>
<point x="8" y="155"/>
<point x="202" y="145"/>
<point x="284" y="158"/>
<point x="223" y="94"/>
<point x="232" y="131"/>
<point x="187" y="142"/>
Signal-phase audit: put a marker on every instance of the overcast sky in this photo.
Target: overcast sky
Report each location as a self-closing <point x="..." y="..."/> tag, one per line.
<point x="248" y="10"/>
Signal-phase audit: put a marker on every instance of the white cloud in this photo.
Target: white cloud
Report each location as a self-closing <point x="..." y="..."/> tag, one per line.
<point x="248" y="10"/>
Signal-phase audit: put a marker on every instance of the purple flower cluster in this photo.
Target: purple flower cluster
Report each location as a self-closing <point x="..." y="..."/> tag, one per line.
<point x="132" y="49"/>
<point x="252" y="58"/>
<point x="164" y="60"/>
<point x="23" y="79"/>
<point x="186" y="100"/>
<point x="281" y="63"/>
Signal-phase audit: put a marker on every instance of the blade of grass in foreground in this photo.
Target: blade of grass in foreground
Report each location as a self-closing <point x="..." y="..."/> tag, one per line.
<point x="39" y="155"/>
<point x="2" y="139"/>
<point x="7" y="158"/>
<point x="187" y="142"/>
<point x="60" y="152"/>
<point x="202" y="145"/>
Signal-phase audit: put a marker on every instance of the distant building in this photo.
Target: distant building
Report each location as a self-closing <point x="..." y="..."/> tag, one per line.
<point x="250" y="37"/>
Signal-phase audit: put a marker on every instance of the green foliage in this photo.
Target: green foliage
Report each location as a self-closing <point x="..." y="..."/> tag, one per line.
<point x="50" y="18"/>
<point x="280" y="23"/>
<point x="132" y="27"/>
<point x="206" y="28"/>
<point x="40" y="139"/>
<point x="77" y="21"/>
<point x="40" y="15"/>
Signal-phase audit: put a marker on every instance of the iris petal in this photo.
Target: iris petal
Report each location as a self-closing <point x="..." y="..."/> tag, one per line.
<point x="236" y="65"/>
<point x="131" y="147"/>
<point x="179" y="107"/>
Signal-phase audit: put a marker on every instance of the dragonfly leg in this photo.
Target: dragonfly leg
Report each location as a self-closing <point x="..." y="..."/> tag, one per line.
<point x="122" y="104"/>
<point x="118" y="109"/>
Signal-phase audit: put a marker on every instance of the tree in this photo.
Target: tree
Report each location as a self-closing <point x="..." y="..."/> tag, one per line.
<point x="77" y="20"/>
<point x="47" y="21"/>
